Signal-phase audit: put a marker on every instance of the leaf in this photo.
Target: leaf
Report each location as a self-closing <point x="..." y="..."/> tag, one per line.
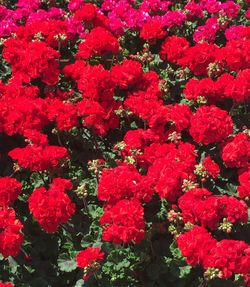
<point x="66" y="265"/>
<point x="79" y="283"/>
<point x="13" y="264"/>
<point x="185" y="270"/>
<point x="175" y="251"/>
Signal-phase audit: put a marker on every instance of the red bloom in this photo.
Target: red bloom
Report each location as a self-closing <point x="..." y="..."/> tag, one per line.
<point x="9" y="190"/>
<point x="86" y="13"/>
<point x="97" y="43"/>
<point x="123" y="222"/>
<point x="244" y="187"/>
<point x="169" y="171"/>
<point x="152" y="30"/>
<point x="6" y="284"/>
<point x="195" y="245"/>
<point x="229" y="256"/>
<point x="39" y="158"/>
<point x="236" y="153"/>
<point x="127" y="74"/>
<point x="86" y="257"/>
<point x="211" y="167"/>
<point x="233" y="210"/>
<point x="174" y="48"/>
<point x="210" y="125"/>
<point x="235" y="55"/>
<point x="198" y="57"/>
<point x="239" y="88"/>
<point x="22" y="113"/>
<point x="32" y="60"/>
<point x="52" y="207"/>
<point x="64" y="114"/>
<point x="11" y="237"/>
<point x="123" y="182"/>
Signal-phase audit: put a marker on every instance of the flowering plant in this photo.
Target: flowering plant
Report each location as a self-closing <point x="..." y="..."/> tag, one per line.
<point x="125" y="145"/>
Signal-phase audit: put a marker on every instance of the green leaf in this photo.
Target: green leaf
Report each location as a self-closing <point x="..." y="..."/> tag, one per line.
<point x="66" y="265"/>
<point x="79" y="283"/>
<point x="175" y="251"/>
<point x="185" y="270"/>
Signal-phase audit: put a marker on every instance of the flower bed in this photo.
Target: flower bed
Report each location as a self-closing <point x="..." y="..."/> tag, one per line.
<point x="124" y="143"/>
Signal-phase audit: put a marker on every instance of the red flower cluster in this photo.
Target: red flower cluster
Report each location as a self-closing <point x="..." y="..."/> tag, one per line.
<point x="199" y="206"/>
<point x="89" y="259"/>
<point x="86" y="257"/>
<point x="11" y="237"/>
<point x="32" y="60"/>
<point x="123" y="182"/>
<point x="39" y="158"/>
<point x="52" y="207"/>
<point x="244" y="187"/>
<point x="6" y="284"/>
<point x="97" y="106"/>
<point x="127" y="75"/>
<point x="210" y="124"/>
<point x="236" y="153"/>
<point x="152" y="30"/>
<point x="211" y="168"/>
<point x="123" y="222"/>
<point x="173" y="48"/>
<point x="10" y="188"/>
<point x="97" y="43"/>
<point x="227" y="256"/>
<point x="225" y="87"/>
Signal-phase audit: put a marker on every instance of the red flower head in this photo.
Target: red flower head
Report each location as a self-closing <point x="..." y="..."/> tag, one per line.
<point x="97" y="43"/>
<point x="210" y="125"/>
<point x="88" y="256"/>
<point x="123" y="222"/>
<point x="11" y="237"/>
<point x="236" y="153"/>
<point x="152" y="30"/>
<point x="52" y="207"/>
<point x="6" y="284"/>
<point x="9" y="190"/>
<point x="244" y="187"/>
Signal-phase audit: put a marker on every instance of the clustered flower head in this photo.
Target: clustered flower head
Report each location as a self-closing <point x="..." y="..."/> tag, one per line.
<point x="89" y="259"/>
<point x="123" y="222"/>
<point x="227" y="256"/>
<point x="11" y="237"/>
<point x="52" y="207"/>
<point x="10" y="188"/>
<point x="150" y="98"/>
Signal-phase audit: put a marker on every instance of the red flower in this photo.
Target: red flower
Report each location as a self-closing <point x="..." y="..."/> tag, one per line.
<point x="123" y="222"/>
<point x="152" y="30"/>
<point x="11" y="237"/>
<point x="173" y="48"/>
<point x="195" y="245"/>
<point x="244" y="187"/>
<point x="86" y="257"/>
<point x="9" y="190"/>
<point x="211" y="167"/>
<point x="97" y="43"/>
<point x="6" y="284"/>
<point x="52" y="207"/>
<point x="86" y="13"/>
<point x="229" y="256"/>
<point x="198" y="57"/>
<point x="32" y="60"/>
<point x="39" y="158"/>
<point x="210" y="125"/>
<point x="236" y="152"/>
<point x="127" y="74"/>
